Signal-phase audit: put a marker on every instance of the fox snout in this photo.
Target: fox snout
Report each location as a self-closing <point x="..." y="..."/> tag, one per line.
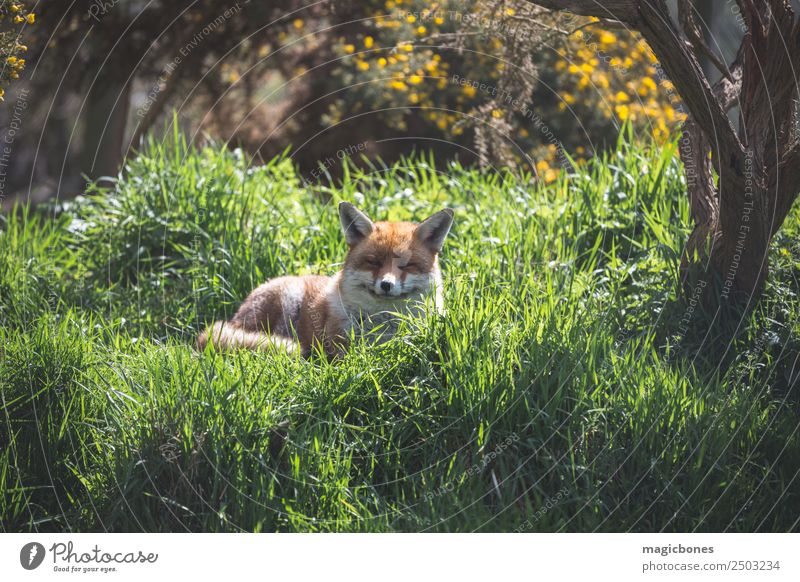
<point x="390" y="280"/>
<point x="387" y="283"/>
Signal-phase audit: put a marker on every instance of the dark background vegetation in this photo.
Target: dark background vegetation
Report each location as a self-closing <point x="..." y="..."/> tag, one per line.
<point x="273" y="75"/>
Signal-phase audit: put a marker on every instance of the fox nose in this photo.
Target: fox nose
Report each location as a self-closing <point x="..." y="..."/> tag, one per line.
<point x="386" y="286"/>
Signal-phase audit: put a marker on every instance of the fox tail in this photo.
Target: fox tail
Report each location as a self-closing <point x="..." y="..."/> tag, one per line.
<point x="228" y="336"/>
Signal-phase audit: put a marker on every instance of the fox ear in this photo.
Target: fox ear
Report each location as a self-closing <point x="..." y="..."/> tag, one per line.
<point x="433" y="230"/>
<point x="355" y="224"/>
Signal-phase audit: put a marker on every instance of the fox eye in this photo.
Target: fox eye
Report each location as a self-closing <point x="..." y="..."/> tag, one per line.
<point x="408" y="266"/>
<point x="373" y="262"/>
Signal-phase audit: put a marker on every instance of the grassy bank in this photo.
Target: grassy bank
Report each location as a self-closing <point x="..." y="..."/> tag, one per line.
<point x="567" y="388"/>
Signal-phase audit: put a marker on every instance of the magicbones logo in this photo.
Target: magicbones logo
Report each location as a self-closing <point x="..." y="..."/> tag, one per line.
<point x="31" y="555"/>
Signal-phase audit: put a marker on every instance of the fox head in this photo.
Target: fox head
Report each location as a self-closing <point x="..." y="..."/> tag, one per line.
<point x="390" y="262"/>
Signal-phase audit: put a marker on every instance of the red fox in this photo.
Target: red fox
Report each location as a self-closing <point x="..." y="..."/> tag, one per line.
<point x="390" y="267"/>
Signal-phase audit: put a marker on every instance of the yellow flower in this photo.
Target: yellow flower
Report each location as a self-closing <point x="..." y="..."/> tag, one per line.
<point x="622" y="97"/>
<point x="497" y="114"/>
<point x="623" y="111"/>
<point x="349" y="48"/>
<point x="421" y="30"/>
<point x="607" y="37"/>
<point x="510" y="12"/>
<point x="438" y="20"/>
<point x="415" y="79"/>
<point x="381" y="62"/>
<point x="469" y="91"/>
<point x="363" y="65"/>
<point x="398" y="85"/>
<point x="31" y="18"/>
<point x="411" y="19"/>
<point x="368" y="41"/>
<point x="298" y="23"/>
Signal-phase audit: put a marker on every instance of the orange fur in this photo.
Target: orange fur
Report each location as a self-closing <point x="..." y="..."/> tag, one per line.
<point x="390" y="266"/>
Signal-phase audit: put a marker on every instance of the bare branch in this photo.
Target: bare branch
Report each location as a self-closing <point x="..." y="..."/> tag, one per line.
<point x="728" y="89"/>
<point x="626" y="11"/>
<point x="696" y="37"/>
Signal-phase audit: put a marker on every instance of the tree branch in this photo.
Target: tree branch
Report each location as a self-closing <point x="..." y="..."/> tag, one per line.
<point x="626" y="11"/>
<point x="728" y="89"/>
<point x="696" y="37"/>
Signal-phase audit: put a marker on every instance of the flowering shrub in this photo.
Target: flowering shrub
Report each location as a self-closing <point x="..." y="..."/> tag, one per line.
<point x="505" y="78"/>
<point x="619" y="72"/>
<point x="14" y="16"/>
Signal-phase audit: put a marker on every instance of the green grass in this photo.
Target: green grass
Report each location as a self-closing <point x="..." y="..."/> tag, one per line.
<point x="562" y="351"/>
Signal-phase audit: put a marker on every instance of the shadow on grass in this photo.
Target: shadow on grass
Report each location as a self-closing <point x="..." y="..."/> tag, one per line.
<point x="735" y="334"/>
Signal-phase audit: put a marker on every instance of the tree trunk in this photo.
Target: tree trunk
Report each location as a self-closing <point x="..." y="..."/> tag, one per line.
<point x="106" y="112"/>
<point x="727" y="252"/>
